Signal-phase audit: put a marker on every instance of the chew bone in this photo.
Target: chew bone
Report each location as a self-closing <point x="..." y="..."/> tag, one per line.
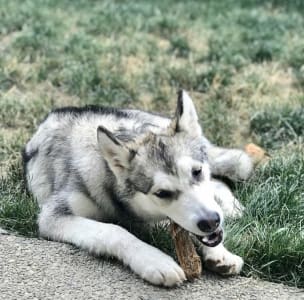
<point x="187" y="256"/>
<point x="257" y="154"/>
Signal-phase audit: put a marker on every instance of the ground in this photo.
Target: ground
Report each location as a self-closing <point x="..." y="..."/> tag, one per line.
<point x="38" y="269"/>
<point x="241" y="61"/>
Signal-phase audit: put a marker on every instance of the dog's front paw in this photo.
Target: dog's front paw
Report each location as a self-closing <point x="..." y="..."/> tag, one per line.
<point x="226" y="266"/>
<point x="156" y="267"/>
<point x="222" y="261"/>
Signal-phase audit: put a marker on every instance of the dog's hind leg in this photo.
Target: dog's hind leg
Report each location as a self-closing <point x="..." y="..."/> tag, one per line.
<point x="108" y="239"/>
<point x="230" y="205"/>
<point x="219" y="260"/>
<point x="232" y="163"/>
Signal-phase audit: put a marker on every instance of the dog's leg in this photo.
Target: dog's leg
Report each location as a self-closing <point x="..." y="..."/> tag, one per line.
<point x="231" y="206"/>
<point x="108" y="239"/>
<point x="232" y="163"/>
<point x="218" y="259"/>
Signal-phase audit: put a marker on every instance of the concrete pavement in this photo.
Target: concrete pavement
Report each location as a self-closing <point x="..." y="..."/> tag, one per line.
<point x="39" y="269"/>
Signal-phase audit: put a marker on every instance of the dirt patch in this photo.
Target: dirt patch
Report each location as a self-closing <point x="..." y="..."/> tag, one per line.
<point x="6" y="40"/>
<point x="263" y="85"/>
<point x="162" y="43"/>
<point x="198" y="39"/>
<point x="134" y="65"/>
<point x="44" y="91"/>
<point x="59" y="98"/>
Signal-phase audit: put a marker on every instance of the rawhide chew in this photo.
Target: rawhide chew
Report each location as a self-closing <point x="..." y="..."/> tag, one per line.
<point x="186" y="253"/>
<point x="257" y="154"/>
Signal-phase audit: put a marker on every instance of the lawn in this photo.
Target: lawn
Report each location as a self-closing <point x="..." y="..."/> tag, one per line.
<point x="241" y="61"/>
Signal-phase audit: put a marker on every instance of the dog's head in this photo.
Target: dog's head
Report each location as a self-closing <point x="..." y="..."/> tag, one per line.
<point x="168" y="173"/>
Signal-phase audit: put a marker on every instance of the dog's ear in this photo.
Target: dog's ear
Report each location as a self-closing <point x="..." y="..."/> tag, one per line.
<point x="114" y="151"/>
<point x="186" y="119"/>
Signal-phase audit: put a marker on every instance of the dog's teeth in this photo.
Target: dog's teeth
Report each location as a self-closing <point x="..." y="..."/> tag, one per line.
<point x="205" y="239"/>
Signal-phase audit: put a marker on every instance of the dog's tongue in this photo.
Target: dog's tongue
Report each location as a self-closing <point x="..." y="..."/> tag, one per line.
<point x="213" y="239"/>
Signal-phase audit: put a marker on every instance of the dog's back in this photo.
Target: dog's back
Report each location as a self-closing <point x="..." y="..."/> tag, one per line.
<point x="64" y="154"/>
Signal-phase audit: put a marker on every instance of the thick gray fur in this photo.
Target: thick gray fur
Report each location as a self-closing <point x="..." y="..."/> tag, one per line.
<point x="92" y="168"/>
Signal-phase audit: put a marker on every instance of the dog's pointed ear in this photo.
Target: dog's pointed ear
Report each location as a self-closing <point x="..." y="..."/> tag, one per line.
<point x="186" y="119"/>
<point x="114" y="151"/>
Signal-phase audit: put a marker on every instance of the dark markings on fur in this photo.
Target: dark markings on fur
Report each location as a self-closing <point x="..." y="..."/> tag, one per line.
<point x="120" y="201"/>
<point x="198" y="153"/>
<point x="59" y="161"/>
<point x="132" y="154"/>
<point x="160" y="152"/>
<point x="109" y="134"/>
<point x="62" y="209"/>
<point x="81" y="186"/>
<point x="26" y="157"/>
<point x="111" y="190"/>
<point x="226" y="180"/>
<point x="216" y="267"/>
<point x="51" y="176"/>
<point x="125" y="135"/>
<point x="165" y="156"/>
<point x="203" y="151"/>
<point x="50" y="169"/>
<point x="49" y="150"/>
<point x="91" y="109"/>
<point x="145" y="127"/>
<point x="179" y="109"/>
<point x="141" y="183"/>
<point x="67" y="171"/>
<point x="120" y="205"/>
<point x="119" y="198"/>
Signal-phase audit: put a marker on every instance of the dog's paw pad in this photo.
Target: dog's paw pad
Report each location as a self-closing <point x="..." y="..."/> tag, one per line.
<point x="227" y="266"/>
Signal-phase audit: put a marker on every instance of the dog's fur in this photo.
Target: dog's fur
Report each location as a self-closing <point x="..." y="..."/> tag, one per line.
<point x="91" y="168"/>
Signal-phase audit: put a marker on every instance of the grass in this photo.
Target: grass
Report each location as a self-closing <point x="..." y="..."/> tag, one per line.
<point x="270" y="235"/>
<point x="274" y="128"/>
<point x="18" y="210"/>
<point x="242" y="61"/>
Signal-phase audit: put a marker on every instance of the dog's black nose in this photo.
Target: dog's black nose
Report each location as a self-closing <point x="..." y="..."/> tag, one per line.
<point x="210" y="223"/>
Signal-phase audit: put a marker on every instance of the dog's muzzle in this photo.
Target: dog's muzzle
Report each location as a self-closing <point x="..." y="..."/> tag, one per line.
<point x="213" y="239"/>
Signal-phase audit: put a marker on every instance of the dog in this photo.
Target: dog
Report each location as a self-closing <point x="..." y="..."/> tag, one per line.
<point x="95" y="169"/>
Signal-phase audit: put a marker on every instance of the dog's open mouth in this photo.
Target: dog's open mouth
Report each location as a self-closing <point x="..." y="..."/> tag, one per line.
<point x="213" y="239"/>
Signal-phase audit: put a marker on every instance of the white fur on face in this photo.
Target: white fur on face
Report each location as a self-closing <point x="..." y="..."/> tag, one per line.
<point x="163" y="181"/>
<point x="145" y="206"/>
<point x="185" y="165"/>
<point x="194" y="201"/>
<point x="194" y="205"/>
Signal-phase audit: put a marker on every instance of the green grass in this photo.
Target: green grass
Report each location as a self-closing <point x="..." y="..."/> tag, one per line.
<point x="270" y="234"/>
<point x="276" y="127"/>
<point x="242" y="61"/>
<point x="18" y="210"/>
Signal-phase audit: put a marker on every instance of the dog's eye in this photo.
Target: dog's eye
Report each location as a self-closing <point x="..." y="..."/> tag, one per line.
<point x="196" y="173"/>
<point x="164" y="194"/>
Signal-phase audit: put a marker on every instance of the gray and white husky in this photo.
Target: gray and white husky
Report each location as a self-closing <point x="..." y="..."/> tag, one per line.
<point x="93" y="169"/>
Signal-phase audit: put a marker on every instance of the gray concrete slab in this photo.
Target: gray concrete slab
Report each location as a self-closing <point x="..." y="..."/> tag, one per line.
<point x="39" y="269"/>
